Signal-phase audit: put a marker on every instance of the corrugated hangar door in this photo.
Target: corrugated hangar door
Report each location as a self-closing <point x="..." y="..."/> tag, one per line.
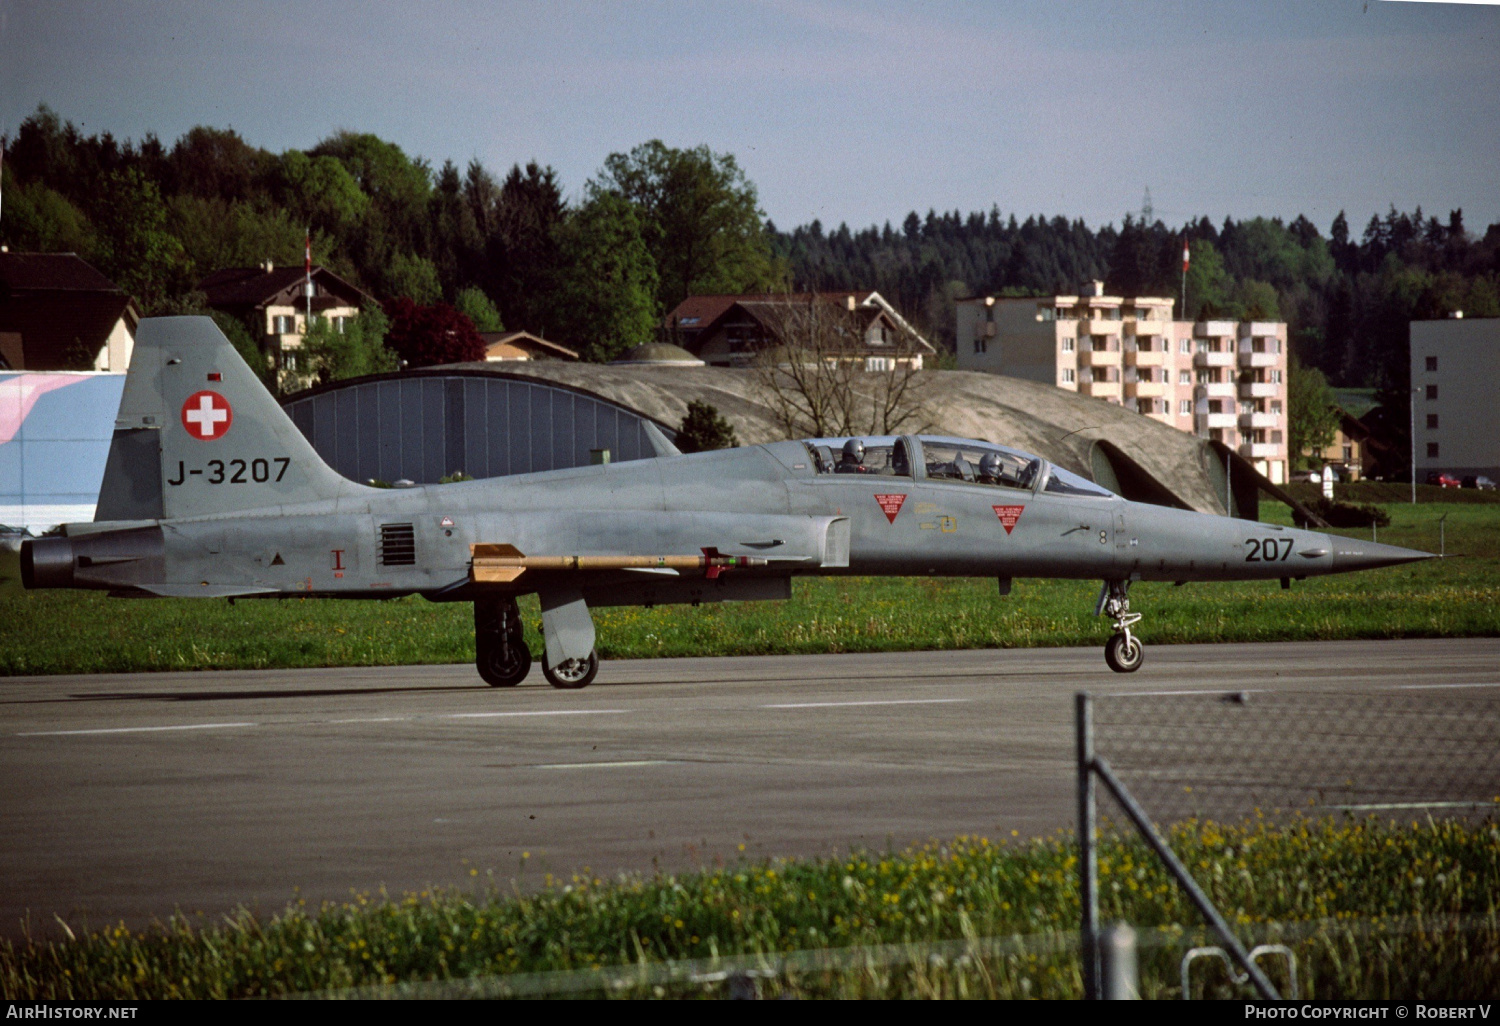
<point x="423" y="426"/>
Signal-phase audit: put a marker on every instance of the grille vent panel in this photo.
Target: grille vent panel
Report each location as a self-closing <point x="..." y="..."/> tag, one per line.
<point x="398" y="545"/>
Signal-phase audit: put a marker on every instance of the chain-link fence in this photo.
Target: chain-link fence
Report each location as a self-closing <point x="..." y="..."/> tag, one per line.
<point x="1201" y="775"/>
<point x="1231" y="757"/>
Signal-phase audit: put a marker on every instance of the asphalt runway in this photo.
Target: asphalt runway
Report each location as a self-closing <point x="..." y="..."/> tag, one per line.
<point x="131" y="795"/>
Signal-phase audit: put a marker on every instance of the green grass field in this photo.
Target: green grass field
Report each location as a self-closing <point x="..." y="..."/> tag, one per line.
<point x="1373" y="911"/>
<point x="81" y="632"/>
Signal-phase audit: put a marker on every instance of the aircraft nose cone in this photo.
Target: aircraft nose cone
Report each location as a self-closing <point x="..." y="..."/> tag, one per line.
<point x="1353" y="554"/>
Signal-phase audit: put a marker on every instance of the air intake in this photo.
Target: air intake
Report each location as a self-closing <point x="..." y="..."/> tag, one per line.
<point x="398" y="545"/>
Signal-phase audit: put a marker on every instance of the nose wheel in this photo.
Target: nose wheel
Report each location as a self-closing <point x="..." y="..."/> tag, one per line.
<point x="1123" y="652"/>
<point x="572" y="674"/>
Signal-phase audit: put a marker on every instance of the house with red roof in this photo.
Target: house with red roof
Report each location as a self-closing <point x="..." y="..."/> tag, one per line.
<point x="730" y="330"/>
<point x="57" y="312"/>
<point x="274" y="303"/>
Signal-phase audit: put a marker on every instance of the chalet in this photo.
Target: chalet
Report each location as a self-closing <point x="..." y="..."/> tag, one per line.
<point x="730" y="330"/>
<point x="1354" y="449"/>
<point x="521" y="345"/>
<point x="58" y="313"/>
<point x="273" y="302"/>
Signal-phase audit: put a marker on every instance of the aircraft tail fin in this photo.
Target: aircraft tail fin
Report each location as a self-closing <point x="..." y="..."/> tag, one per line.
<point x="199" y="434"/>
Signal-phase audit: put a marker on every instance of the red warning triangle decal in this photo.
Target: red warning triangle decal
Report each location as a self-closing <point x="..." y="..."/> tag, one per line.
<point x="1008" y="516"/>
<point x="890" y="505"/>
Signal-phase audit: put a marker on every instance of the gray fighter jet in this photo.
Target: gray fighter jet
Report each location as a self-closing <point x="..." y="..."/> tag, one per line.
<point x="210" y="491"/>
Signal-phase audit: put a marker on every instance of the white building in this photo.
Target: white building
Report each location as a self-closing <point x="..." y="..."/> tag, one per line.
<point x="1223" y="380"/>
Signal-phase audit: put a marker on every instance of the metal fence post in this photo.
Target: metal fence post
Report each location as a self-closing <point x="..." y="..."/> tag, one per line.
<point x="1088" y="857"/>
<point x="1120" y="979"/>
<point x="1137" y="815"/>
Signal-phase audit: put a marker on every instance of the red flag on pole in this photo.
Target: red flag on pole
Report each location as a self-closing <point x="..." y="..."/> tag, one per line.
<point x="1184" y="256"/>
<point x="307" y="288"/>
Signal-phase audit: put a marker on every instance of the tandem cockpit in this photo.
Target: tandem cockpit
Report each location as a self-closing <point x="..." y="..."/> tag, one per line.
<point x="939" y="458"/>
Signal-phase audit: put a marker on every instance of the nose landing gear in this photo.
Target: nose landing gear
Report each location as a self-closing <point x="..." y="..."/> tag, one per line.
<point x="571" y="674"/>
<point x="1123" y="652"/>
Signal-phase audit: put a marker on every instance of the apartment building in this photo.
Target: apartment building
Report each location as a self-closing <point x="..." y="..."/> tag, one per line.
<point x="1453" y="371"/>
<point x="1218" y="379"/>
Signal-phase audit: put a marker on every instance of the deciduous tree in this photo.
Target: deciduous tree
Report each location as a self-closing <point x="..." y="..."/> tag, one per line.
<point x="479" y="308"/>
<point x="134" y="246"/>
<point x="358" y="350"/>
<point x="700" y="217"/>
<point x="423" y="336"/>
<point x="1312" y="412"/>
<point x="605" y="304"/>
<point x="814" y="372"/>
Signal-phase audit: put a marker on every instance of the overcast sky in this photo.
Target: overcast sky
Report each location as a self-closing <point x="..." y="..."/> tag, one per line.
<point x="843" y="112"/>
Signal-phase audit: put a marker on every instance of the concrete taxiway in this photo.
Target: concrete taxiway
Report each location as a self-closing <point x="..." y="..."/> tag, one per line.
<point x="129" y="796"/>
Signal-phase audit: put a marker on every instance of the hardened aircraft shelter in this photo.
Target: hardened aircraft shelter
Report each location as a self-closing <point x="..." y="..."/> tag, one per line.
<point x="421" y="426"/>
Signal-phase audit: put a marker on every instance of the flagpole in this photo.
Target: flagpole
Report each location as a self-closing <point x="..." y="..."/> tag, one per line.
<point x="1184" y="276"/>
<point x="307" y="288"/>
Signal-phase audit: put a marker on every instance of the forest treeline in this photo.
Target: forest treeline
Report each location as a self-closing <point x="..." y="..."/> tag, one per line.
<point x="658" y="223"/>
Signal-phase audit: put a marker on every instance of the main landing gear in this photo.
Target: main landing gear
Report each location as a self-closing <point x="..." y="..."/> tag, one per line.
<point x="501" y="655"/>
<point x="1123" y="652"/>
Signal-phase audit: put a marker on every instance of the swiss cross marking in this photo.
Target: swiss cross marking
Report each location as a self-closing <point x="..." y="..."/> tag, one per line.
<point x="1008" y="516"/>
<point x="890" y="505"/>
<point x="207" y="415"/>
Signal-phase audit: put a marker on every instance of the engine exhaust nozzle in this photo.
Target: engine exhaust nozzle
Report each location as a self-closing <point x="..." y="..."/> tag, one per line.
<point x="47" y="563"/>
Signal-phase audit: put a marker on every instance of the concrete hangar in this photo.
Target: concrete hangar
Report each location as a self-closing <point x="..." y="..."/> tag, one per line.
<point x="421" y="426"/>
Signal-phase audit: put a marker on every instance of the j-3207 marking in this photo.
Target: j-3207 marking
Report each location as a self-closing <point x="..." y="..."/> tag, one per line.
<point x="234" y="471"/>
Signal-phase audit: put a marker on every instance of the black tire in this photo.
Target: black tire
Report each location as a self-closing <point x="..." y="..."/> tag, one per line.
<point x="1123" y="657"/>
<point x="572" y="674"/>
<point x="501" y="665"/>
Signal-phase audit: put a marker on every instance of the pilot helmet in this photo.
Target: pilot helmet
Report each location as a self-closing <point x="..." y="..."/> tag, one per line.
<point x="854" y="451"/>
<point x="990" y="465"/>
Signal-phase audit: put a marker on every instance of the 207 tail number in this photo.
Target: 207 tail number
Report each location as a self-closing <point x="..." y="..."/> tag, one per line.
<point x="1268" y="550"/>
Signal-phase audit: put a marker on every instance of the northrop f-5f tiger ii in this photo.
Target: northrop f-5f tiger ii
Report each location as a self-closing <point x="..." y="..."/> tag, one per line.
<point x="211" y="491"/>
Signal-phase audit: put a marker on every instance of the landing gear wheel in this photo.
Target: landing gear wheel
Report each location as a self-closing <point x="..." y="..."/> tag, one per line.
<point x="572" y="674"/>
<point x="500" y="653"/>
<point x="1124" y="653"/>
<point x="503" y="665"/>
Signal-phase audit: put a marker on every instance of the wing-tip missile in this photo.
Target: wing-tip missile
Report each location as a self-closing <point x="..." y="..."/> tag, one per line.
<point x="501" y="564"/>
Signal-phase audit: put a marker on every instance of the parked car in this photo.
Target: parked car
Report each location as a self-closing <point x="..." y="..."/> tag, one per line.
<point x="1316" y="476"/>
<point x="1442" y="480"/>
<point x="1479" y="481"/>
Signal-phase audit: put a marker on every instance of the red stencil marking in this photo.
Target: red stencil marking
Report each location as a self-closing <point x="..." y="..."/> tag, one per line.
<point x="1008" y="516"/>
<point x="890" y="505"/>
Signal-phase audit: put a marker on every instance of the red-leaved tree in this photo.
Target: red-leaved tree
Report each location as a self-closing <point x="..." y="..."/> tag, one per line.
<point x="426" y="335"/>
